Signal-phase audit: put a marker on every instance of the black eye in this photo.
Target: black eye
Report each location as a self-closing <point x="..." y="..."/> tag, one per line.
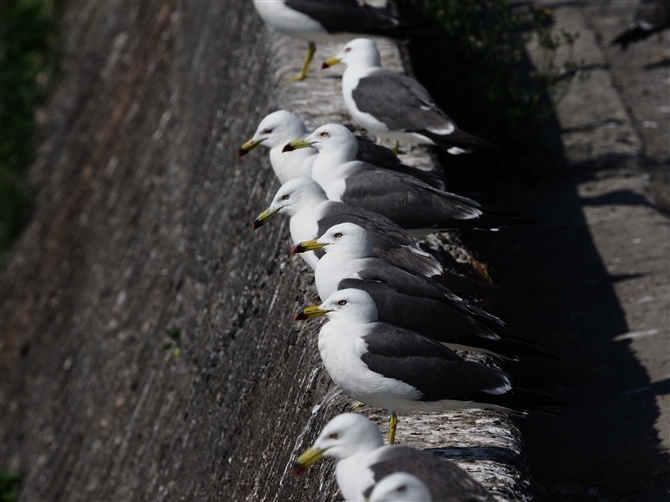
<point x="348" y="49"/>
<point x="402" y="488"/>
<point x="285" y="197"/>
<point x="342" y="303"/>
<point x="334" y="435"/>
<point x="267" y="131"/>
<point x="324" y="134"/>
<point x="338" y="235"/>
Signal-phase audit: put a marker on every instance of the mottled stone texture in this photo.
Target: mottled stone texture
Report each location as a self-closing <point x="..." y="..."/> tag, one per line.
<point x="143" y="226"/>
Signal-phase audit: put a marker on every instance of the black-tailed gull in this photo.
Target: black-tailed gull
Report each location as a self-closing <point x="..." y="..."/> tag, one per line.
<point x="311" y="213"/>
<point x="394" y="106"/>
<point x="403" y="199"/>
<point x="409" y="300"/>
<point x="281" y="127"/>
<point x="327" y="20"/>
<point x="385" y="366"/>
<point x="363" y="461"/>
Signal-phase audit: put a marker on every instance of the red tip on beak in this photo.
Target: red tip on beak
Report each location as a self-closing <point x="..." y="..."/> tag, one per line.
<point x="298" y="469"/>
<point x="325" y="65"/>
<point x="257" y="224"/>
<point x="287" y="148"/>
<point x="298" y="249"/>
<point x="241" y="152"/>
<point x="300" y="316"/>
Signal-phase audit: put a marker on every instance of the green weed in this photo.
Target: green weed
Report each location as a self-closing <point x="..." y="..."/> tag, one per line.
<point x="9" y="487"/>
<point x="30" y="55"/>
<point x="478" y="71"/>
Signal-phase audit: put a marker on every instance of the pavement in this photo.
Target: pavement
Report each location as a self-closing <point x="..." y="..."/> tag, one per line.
<point x="592" y="276"/>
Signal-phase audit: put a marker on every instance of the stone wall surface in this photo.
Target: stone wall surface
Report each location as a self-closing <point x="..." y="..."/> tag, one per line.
<point x="142" y="227"/>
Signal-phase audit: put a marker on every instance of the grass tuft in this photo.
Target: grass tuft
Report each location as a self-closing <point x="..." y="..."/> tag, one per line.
<point x="30" y="55"/>
<point x="478" y="71"/>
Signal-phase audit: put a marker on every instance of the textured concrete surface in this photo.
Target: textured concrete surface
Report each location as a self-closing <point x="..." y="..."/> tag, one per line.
<point x="142" y="227"/>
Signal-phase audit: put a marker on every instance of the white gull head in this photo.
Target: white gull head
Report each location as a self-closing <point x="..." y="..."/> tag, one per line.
<point x="279" y="128"/>
<point x="348" y="434"/>
<point x="349" y="240"/>
<point x="334" y="139"/>
<point x="360" y="52"/>
<point x="400" y="487"/>
<point x="296" y="195"/>
<point x="350" y="305"/>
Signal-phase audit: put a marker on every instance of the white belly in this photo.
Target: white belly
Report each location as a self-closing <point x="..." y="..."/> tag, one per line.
<point x="290" y="22"/>
<point x="354" y="477"/>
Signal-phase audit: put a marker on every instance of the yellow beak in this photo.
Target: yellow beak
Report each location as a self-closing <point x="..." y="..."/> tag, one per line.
<point x="248" y="146"/>
<point x="308" y="246"/>
<point x="294" y="145"/>
<point x="263" y="217"/>
<point x="330" y="62"/>
<point x="309" y="313"/>
<point x="305" y="460"/>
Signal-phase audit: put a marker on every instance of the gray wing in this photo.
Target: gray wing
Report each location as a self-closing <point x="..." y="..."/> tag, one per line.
<point x="385" y="234"/>
<point x="413" y="284"/>
<point x="436" y="319"/>
<point x="349" y="16"/>
<point x="435" y="371"/>
<point x="380" y="156"/>
<point x="444" y="322"/>
<point x="401" y="103"/>
<point x="404" y="199"/>
<point x="445" y="480"/>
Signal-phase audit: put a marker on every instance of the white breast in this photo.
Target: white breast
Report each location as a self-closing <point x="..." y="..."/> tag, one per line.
<point x="354" y="477"/>
<point x="304" y="226"/>
<point x="330" y="173"/>
<point x="289" y="165"/>
<point x="288" y="21"/>
<point x="341" y="348"/>
<point x="331" y="270"/>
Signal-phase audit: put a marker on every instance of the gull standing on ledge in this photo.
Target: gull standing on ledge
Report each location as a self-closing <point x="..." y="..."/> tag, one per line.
<point x="364" y="463"/>
<point x="408" y="300"/>
<point x="311" y="213"/>
<point x="280" y="127"/>
<point x="385" y="366"/>
<point x="327" y="21"/>
<point x="395" y="106"/>
<point x="403" y="199"/>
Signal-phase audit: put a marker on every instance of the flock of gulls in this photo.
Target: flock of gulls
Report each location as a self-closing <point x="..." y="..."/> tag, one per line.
<point x="395" y="313"/>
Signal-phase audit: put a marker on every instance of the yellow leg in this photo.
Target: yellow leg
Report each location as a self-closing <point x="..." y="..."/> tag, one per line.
<point x="396" y="150"/>
<point x="393" y="423"/>
<point x="357" y="405"/>
<point x="305" y="66"/>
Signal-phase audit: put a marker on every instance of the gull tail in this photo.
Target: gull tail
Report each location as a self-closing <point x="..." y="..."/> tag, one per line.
<point x="490" y="220"/>
<point x="460" y="140"/>
<point x="521" y="401"/>
<point x="511" y="345"/>
<point x="464" y="285"/>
